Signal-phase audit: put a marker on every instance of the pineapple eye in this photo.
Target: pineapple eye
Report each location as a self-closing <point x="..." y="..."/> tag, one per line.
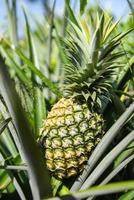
<point x="87" y="114"/>
<point x="44" y="133"/>
<point x="71" y="163"/>
<point x="82" y="159"/>
<point x="47" y="129"/>
<point x="73" y="131"/>
<point x="78" y="117"/>
<point x="77" y="107"/>
<point x="60" y="121"/>
<point x="58" y="154"/>
<point x="59" y="164"/>
<point x="69" y="120"/>
<point x="97" y="141"/>
<point x="56" y="142"/>
<point x="69" y="153"/>
<point x="68" y="103"/>
<point x="78" y="140"/>
<point x="92" y="124"/>
<point x="49" y="154"/>
<point x="88" y="136"/>
<point x="98" y="132"/>
<point x="53" y="132"/>
<point x="60" y="173"/>
<point x="68" y="111"/>
<point x="50" y="122"/>
<point x="66" y="142"/>
<point x="98" y="118"/>
<point x="62" y="132"/>
<point x="80" y="151"/>
<point x="48" y="143"/>
<point x="83" y="127"/>
<point x="89" y="146"/>
<point x="50" y="165"/>
<point x="60" y="112"/>
<point x="51" y="115"/>
<point x="71" y="171"/>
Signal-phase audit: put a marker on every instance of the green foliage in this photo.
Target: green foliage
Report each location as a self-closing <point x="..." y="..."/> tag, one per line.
<point x="91" y="63"/>
<point x="29" y="150"/>
<point x="127" y="196"/>
<point x="82" y="6"/>
<point x="70" y="13"/>
<point x="4" y="124"/>
<point x="35" y="64"/>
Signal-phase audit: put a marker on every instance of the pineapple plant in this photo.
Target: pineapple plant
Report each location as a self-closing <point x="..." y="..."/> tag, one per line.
<point x="75" y="125"/>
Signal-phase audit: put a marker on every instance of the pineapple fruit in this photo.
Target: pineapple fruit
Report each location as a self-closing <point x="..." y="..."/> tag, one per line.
<point x="72" y="131"/>
<point x="74" y="126"/>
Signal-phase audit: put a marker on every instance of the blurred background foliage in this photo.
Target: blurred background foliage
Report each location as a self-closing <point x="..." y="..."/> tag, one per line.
<point x="35" y="66"/>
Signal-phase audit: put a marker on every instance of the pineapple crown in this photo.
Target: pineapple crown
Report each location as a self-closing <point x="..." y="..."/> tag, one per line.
<point x="91" y="60"/>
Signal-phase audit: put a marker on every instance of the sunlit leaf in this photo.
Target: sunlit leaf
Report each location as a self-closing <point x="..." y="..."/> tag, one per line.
<point x="4" y="124"/>
<point x="83" y="4"/>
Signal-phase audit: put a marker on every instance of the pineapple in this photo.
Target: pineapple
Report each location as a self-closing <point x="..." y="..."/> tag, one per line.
<point x="75" y="125"/>
<point x="70" y="133"/>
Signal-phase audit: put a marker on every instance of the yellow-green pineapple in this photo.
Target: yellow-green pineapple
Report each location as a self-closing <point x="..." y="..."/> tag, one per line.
<point x="74" y="126"/>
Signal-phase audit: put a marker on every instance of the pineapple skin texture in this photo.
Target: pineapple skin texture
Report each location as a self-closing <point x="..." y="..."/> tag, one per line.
<point x="68" y="136"/>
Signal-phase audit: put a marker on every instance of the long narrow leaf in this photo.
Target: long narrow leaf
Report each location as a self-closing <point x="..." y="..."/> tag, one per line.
<point x="99" y="190"/>
<point x="71" y="14"/>
<point x="34" y="69"/>
<point x="127" y="196"/>
<point x="20" y="74"/>
<point x="15" y="180"/>
<point x="12" y="130"/>
<point x="117" y="170"/>
<point x="4" y="124"/>
<point x="129" y="151"/>
<point x="124" y="71"/>
<point x="44" y="79"/>
<point x="11" y="11"/>
<point x="101" y="147"/>
<point x="106" y="189"/>
<point x="39" y="178"/>
<point x="12" y="20"/>
<point x="49" y="52"/>
<point x="83" y="4"/>
<point x="14" y="167"/>
<point x="38" y="102"/>
<point x="107" y="160"/>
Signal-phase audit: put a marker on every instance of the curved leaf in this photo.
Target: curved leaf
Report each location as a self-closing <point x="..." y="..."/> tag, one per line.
<point x="38" y="173"/>
<point x="4" y="124"/>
